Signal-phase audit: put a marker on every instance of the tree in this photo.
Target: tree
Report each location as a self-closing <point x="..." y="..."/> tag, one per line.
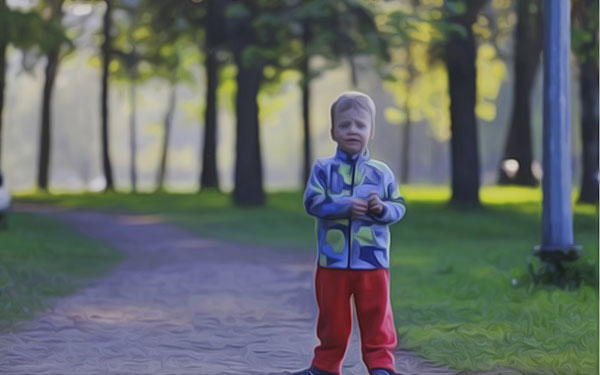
<point x="528" y="46"/>
<point x="212" y="44"/>
<point x="335" y="30"/>
<point x="407" y="126"/>
<point x="251" y="52"/>
<point x="145" y="48"/>
<point x="205" y="24"/>
<point x="52" y="13"/>
<point x="104" y="111"/>
<point x="459" y="55"/>
<point x="22" y="30"/>
<point x="419" y="78"/>
<point x="125" y="52"/>
<point x="404" y="29"/>
<point x="135" y="58"/>
<point x="4" y="40"/>
<point x="170" y="65"/>
<point x="585" y="47"/>
<point x="332" y="29"/>
<point x="170" y="42"/>
<point x="255" y="44"/>
<point x="167" y="125"/>
<point x="27" y="30"/>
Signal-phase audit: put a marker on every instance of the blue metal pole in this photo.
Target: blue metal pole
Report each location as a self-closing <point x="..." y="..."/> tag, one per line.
<point x="557" y="217"/>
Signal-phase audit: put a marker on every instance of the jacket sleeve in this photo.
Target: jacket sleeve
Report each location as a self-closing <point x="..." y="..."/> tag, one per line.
<point x="320" y="204"/>
<point x="394" y="204"/>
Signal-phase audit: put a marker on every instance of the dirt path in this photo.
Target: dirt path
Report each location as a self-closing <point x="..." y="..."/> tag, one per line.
<point x="179" y="304"/>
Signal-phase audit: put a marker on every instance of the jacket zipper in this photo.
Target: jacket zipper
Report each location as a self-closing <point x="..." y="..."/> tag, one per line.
<point x="350" y="219"/>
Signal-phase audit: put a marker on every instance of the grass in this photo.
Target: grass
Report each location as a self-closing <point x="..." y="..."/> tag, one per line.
<point x="461" y="292"/>
<point x="463" y="297"/>
<point x="41" y="260"/>
<point x="281" y="224"/>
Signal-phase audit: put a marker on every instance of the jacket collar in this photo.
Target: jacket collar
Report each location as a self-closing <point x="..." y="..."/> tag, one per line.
<point x="350" y="158"/>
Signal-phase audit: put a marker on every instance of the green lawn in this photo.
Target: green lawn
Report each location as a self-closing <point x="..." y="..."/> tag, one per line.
<point x="461" y="292"/>
<point x="40" y="260"/>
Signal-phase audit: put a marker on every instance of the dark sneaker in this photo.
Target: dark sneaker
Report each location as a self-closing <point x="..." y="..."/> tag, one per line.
<point x="382" y="371"/>
<point x="313" y="371"/>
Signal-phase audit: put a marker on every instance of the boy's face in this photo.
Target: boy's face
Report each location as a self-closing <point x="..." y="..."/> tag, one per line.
<point x="352" y="130"/>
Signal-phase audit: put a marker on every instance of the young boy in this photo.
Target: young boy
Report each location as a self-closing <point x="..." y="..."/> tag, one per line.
<point x="354" y="199"/>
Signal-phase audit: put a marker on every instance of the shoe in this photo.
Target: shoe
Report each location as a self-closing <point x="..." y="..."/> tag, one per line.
<point x="382" y="371"/>
<point x="313" y="371"/>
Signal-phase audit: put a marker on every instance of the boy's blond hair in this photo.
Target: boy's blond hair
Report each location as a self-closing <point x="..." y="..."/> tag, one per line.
<point x="353" y="99"/>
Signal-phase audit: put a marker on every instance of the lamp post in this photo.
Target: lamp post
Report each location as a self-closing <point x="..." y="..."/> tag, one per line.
<point x="557" y="216"/>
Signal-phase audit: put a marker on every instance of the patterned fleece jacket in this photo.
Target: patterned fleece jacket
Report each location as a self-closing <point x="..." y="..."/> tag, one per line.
<point x="347" y="242"/>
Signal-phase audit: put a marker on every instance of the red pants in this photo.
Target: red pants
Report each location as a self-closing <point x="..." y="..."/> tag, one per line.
<point x="374" y="312"/>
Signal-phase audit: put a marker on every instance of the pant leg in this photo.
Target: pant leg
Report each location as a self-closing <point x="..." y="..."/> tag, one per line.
<point x="334" y="325"/>
<point x="375" y="319"/>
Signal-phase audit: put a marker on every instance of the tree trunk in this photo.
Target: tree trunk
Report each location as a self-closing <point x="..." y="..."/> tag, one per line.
<point x="210" y="177"/>
<point x="160" y="179"/>
<point x="460" y="53"/>
<point x="353" y="71"/>
<point x="3" y="46"/>
<point x="106" y="56"/>
<point x="406" y="131"/>
<point x="248" y="188"/>
<point x="528" y="46"/>
<point x="589" y="130"/>
<point x="52" y="59"/>
<point x="407" y="128"/>
<point x="307" y="153"/>
<point x="305" y="83"/>
<point x="45" y="136"/>
<point x="132" y="137"/>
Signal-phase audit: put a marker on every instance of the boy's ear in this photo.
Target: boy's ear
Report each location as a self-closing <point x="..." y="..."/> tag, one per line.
<point x="372" y="132"/>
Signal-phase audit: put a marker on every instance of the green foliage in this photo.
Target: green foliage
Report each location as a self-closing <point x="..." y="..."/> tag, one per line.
<point x="41" y="260"/>
<point x="227" y="87"/>
<point x="336" y="30"/>
<point x="584" y="30"/>
<point x="237" y="10"/>
<point x="28" y="29"/>
<point x="131" y="44"/>
<point x="283" y="35"/>
<point x="417" y="79"/>
<point x="150" y="43"/>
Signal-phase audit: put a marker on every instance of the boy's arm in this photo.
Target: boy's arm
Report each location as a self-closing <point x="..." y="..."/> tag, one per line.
<point x="394" y="204"/>
<point x="320" y="204"/>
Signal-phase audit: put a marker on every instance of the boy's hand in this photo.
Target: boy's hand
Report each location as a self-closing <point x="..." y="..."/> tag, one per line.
<point x="375" y="205"/>
<point x="359" y="207"/>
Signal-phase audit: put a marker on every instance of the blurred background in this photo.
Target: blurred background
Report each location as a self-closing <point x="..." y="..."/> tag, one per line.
<point x="168" y="73"/>
<point x="111" y="107"/>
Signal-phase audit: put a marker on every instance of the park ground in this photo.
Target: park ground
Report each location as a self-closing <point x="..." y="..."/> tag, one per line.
<point x="461" y="292"/>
